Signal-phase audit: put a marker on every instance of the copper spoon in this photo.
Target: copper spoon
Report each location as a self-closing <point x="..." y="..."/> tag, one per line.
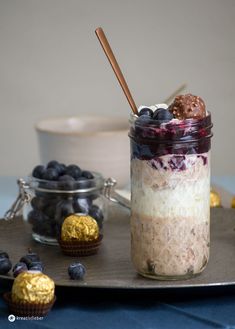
<point x="112" y="60"/>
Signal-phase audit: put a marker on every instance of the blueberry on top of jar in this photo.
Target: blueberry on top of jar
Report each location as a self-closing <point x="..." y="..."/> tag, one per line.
<point x="84" y="182"/>
<point x="74" y="171"/>
<point x="146" y="111"/>
<point x="59" y="167"/>
<point x="162" y="115"/>
<point x="57" y="175"/>
<point x="51" y="174"/>
<point x="39" y="171"/>
<point x="52" y="164"/>
<point x="87" y="174"/>
<point x="143" y="119"/>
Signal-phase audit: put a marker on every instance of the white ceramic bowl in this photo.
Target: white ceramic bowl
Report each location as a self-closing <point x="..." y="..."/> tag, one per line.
<point x="94" y="143"/>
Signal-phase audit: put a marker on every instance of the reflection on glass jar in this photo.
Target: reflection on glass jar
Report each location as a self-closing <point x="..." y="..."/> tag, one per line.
<point x="170" y="197"/>
<point x="52" y="201"/>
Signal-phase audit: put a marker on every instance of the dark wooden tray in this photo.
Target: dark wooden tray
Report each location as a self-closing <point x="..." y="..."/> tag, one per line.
<point x="111" y="267"/>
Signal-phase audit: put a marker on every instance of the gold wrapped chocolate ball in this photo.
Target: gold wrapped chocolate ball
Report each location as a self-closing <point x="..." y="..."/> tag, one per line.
<point x="215" y="200"/>
<point x="233" y="202"/>
<point x="33" y="287"/>
<point x="79" y="228"/>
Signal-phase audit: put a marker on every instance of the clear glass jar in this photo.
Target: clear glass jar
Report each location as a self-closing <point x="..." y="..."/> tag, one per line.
<point x="47" y="203"/>
<point x="170" y="196"/>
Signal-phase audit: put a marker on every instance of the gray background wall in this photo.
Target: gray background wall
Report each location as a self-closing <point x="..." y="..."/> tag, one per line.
<point x="52" y="64"/>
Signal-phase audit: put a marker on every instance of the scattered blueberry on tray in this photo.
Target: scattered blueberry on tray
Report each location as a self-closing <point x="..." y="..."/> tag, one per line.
<point x="5" y="263"/>
<point x="18" y="268"/>
<point x="49" y="209"/>
<point x="29" y="258"/>
<point x="76" y="271"/>
<point x="36" y="266"/>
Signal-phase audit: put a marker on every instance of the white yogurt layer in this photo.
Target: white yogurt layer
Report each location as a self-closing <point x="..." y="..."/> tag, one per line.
<point x="171" y="193"/>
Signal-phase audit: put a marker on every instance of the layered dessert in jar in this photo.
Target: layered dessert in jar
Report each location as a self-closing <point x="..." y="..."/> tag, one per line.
<point x="170" y="188"/>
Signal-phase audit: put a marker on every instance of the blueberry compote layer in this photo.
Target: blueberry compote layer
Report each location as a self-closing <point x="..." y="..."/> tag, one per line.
<point x="170" y="188"/>
<point x="152" y="138"/>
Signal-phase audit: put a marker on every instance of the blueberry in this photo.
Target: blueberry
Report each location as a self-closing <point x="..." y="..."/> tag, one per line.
<point x="74" y="171"/>
<point x="84" y="183"/>
<point x="41" y="223"/>
<point x="143" y="119"/>
<point x="62" y="168"/>
<point x="38" y="203"/>
<point x="51" y="174"/>
<point x="135" y="150"/>
<point x="35" y="216"/>
<point x="64" y="208"/>
<point x="87" y="174"/>
<point x="33" y="256"/>
<point x="76" y="271"/>
<point x="146" y="153"/>
<point x="66" y="182"/>
<point x="36" y="266"/>
<point x="52" y="164"/>
<point x="82" y="205"/>
<point x="29" y="258"/>
<point x="39" y="171"/>
<point x="50" y="210"/>
<point x="146" y="111"/>
<point x="162" y="115"/>
<point x="46" y="228"/>
<point x="18" y="268"/>
<point x="3" y="254"/>
<point x="5" y="265"/>
<point x="65" y="178"/>
<point x="97" y="214"/>
<point x="59" y="167"/>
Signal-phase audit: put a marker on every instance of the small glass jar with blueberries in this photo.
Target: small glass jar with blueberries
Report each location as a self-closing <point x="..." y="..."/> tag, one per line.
<point x="53" y="192"/>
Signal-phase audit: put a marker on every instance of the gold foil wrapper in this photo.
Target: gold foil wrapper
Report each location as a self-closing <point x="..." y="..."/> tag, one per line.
<point x="79" y="228"/>
<point x="215" y="200"/>
<point x="233" y="202"/>
<point x="33" y="287"/>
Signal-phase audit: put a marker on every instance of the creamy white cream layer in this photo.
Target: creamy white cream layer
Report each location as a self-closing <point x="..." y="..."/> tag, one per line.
<point x="171" y="193"/>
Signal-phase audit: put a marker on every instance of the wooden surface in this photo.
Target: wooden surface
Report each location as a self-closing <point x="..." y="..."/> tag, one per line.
<point x="111" y="267"/>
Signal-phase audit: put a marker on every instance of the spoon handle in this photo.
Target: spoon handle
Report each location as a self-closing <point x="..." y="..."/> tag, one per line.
<point x="112" y="60"/>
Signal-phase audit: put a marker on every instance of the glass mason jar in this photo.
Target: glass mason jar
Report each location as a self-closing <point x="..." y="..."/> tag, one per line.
<point x="170" y="196"/>
<point x="47" y="203"/>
